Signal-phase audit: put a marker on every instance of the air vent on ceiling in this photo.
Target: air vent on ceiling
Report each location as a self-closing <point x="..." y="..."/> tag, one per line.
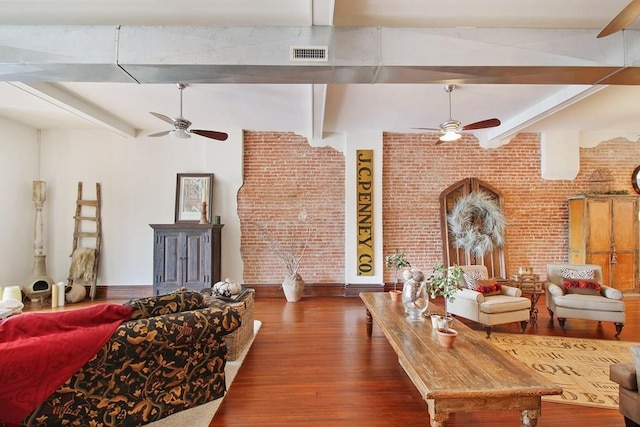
<point x="308" y="53"/>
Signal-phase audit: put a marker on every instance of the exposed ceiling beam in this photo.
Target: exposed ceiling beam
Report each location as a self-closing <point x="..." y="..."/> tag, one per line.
<point x="63" y="99"/>
<point x="322" y="11"/>
<point x="561" y="99"/>
<point x="319" y="100"/>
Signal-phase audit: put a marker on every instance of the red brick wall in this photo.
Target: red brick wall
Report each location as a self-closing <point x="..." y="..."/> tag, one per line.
<point x="284" y="176"/>
<point x="416" y="171"/>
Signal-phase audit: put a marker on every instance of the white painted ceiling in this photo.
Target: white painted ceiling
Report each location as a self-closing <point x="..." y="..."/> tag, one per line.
<point x="346" y="106"/>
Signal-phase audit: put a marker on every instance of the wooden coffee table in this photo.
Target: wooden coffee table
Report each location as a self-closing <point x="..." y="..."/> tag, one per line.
<point x="472" y="376"/>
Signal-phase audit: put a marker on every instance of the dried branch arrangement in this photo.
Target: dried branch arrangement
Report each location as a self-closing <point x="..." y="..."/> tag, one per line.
<point x="289" y="244"/>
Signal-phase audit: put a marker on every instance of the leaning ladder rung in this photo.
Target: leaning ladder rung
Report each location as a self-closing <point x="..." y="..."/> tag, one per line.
<point x="86" y="218"/>
<point x="85" y="234"/>
<point x="93" y="203"/>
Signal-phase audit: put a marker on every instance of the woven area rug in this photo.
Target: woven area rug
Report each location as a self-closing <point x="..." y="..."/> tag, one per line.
<point x="201" y="416"/>
<point x="579" y="366"/>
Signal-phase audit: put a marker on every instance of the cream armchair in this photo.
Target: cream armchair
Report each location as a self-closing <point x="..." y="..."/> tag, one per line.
<point x="582" y="302"/>
<point x="504" y="306"/>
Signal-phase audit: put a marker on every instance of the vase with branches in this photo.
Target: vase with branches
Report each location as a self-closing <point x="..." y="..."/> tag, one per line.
<point x="289" y="246"/>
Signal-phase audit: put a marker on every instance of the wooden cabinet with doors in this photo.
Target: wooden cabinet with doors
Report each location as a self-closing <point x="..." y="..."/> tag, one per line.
<point x="603" y="230"/>
<point x="185" y="255"/>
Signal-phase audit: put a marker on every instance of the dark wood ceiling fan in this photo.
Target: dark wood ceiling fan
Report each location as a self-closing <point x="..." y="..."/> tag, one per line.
<point x="451" y="129"/>
<point x="181" y="125"/>
<point x="622" y="19"/>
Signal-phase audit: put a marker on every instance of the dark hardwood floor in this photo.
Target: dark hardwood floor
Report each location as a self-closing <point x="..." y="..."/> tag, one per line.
<point x="312" y="364"/>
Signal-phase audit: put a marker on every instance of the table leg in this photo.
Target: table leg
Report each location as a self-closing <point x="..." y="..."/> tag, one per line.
<point x="533" y="312"/>
<point x="437" y="419"/>
<point x="369" y="324"/>
<point x="530" y="417"/>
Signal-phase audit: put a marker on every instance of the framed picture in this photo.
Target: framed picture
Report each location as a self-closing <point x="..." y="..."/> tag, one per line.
<point x="191" y="190"/>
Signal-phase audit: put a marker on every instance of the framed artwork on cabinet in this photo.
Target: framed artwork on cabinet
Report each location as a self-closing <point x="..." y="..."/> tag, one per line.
<point x="192" y="189"/>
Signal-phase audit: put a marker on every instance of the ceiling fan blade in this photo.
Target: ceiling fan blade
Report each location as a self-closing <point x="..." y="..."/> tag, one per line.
<point x="622" y="19"/>
<point x="483" y="124"/>
<point x="162" y="117"/>
<point x="220" y="136"/>
<point x="163" y="133"/>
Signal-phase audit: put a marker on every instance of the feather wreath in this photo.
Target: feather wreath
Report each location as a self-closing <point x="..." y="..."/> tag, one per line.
<point x="477" y="223"/>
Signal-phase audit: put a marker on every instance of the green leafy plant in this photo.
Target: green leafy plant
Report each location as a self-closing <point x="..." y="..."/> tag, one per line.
<point x="397" y="260"/>
<point x="445" y="282"/>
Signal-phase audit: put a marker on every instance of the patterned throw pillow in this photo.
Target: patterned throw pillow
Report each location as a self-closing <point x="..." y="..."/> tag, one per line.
<point x="471" y="277"/>
<point x="571" y="273"/>
<point x="582" y="287"/>
<point x="488" y="287"/>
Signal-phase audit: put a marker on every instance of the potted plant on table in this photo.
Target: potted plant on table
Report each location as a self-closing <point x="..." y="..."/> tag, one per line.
<point x="397" y="260"/>
<point x="445" y="282"/>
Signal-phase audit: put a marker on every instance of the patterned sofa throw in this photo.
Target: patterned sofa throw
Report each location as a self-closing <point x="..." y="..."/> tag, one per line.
<point x="150" y="368"/>
<point x="174" y="302"/>
<point x="40" y="351"/>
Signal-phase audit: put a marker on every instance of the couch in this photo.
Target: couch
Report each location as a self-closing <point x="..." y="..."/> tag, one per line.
<point x="576" y="291"/>
<point x="169" y="357"/>
<point x="624" y="374"/>
<point x="504" y="304"/>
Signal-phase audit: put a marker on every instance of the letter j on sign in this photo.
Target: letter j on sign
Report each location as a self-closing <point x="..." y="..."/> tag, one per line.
<point x="364" y="214"/>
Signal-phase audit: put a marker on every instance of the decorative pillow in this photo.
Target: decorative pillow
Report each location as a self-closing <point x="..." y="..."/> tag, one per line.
<point x="571" y="273"/>
<point x="471" y="277"/>
<point x="488" y="287"/>
<point x="582" y="287"/>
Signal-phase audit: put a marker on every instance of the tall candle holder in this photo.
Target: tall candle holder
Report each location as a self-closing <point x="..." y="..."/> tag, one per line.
<point x="203" y="213"/>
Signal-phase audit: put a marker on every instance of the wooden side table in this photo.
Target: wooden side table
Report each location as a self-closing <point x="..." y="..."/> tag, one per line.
<point x="532" y="288"/>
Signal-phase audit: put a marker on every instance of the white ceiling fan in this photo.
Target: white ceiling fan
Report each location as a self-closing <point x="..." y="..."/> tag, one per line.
<point x="622" y="19"/>
<point x="181" y="125"/>
<point x="451" y="129"/>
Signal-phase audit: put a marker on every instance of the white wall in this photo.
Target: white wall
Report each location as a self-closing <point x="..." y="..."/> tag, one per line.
<point x="138" y="178"/>
<point x="18" y="169"/>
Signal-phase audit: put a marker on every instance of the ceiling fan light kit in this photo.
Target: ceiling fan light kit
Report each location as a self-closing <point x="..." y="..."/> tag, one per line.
<point x="450" y="131"/>
<point x="181" y="125"/>
<point x="450" y="136"/>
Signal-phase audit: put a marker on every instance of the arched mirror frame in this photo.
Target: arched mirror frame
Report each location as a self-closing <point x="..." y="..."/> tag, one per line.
<point x="495" y="261"/>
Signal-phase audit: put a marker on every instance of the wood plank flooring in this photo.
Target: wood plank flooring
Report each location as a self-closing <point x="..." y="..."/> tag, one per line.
<point x="312" y="365"/>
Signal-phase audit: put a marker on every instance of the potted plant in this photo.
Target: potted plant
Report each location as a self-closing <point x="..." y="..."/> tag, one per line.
<point x="290" y="251"/>
<point x="397" y="260"/>
<point x="445" y="282"/>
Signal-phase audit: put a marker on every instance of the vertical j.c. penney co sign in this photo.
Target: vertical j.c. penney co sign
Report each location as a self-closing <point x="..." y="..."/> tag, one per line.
<point x="364" y="203"/>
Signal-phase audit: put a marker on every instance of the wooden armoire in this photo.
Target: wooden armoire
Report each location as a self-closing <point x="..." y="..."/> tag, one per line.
<point x="185" y="255"/>
<point x="603" y="230"/>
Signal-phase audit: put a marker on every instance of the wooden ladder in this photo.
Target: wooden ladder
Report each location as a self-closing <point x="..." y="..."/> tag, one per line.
<point x="87" y="233"/>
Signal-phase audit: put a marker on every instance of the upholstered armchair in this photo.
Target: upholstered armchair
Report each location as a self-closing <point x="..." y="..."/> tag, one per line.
<point x="624" y="374"/>
<point x="575" y="291"/>
<point x="488" y="303"/>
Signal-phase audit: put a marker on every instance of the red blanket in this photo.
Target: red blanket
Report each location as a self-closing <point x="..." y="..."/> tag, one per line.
<point x="40" y="351"/>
